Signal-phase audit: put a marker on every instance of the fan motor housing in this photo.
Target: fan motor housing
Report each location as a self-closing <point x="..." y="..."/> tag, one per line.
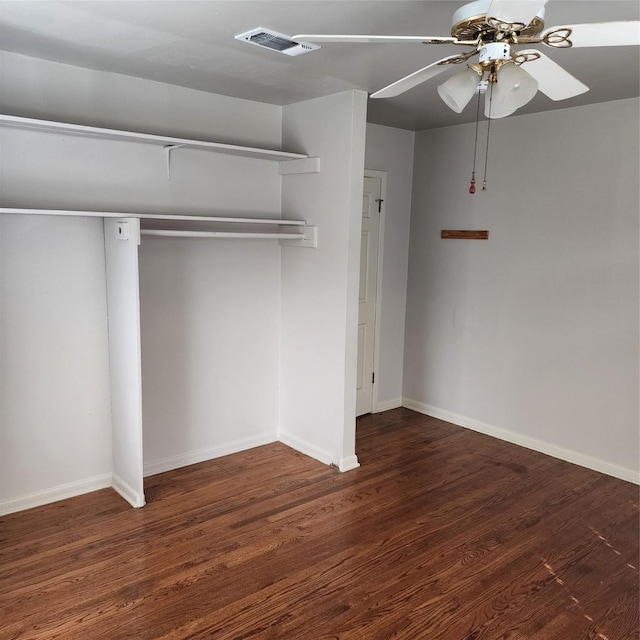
<point x="470" y="22"/>
<point x="494" y="51"/>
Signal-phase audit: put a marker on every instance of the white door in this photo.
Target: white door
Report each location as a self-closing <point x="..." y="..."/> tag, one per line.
<point x="371" y="207"/>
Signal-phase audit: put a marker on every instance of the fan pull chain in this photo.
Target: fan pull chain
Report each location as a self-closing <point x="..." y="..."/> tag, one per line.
<point x="486" y="155"/>
<point x="472" y="185"/>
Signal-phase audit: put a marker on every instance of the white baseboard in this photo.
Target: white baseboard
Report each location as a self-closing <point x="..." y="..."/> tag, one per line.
<point x="303" y="446"/>
<point x="348" y="463"/>
<point x="386" y="405"/>
<point x="193" y="457"/>
<point x="133" y="497"/>
<point x="568" y="455"/>
<point x="53" y="494"/>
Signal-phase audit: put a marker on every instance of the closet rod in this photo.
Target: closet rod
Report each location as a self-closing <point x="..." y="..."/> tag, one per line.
<point x="172" y="233"/>
<point x="150" y="216"/>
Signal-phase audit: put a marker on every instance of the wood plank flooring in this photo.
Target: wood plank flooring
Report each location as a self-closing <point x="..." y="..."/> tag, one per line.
<point x="442" y="533"/>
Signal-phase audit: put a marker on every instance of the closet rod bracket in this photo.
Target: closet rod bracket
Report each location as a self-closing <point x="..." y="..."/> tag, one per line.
<point x="168" y="148"/>
<point x="308" y="238"/>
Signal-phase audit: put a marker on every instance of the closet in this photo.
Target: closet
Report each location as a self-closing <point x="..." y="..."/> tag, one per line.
<point x="285" y="317"/>
<point x="125" y="236"/>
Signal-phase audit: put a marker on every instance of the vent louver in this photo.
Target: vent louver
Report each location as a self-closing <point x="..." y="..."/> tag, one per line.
<point x="275" y="41"/>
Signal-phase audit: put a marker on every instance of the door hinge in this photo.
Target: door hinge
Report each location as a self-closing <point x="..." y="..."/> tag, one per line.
<point x="373" y="377"/>
<point x="379" y="201"/>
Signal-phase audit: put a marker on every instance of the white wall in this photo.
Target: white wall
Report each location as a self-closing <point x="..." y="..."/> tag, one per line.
<point x="391" y="150"/>
<point x="54" y="370"/>
<point x="54" y="340"/>
<point x="210" y="347"/>
<point x="533" y="334"/>
<point x="36" y="88"/>
<point x="320" y="287"/>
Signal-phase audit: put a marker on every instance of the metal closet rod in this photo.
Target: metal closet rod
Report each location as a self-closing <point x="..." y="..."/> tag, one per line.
<point x="174" y="233"/>
<point x="152" y="216"/>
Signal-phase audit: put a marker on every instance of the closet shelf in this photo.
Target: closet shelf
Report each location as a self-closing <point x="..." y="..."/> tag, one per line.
<point x="152" y="216"/>
<point x="132" y="136"/>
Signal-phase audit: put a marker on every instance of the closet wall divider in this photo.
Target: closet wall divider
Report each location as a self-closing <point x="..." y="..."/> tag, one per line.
<point x="125" y="359"/>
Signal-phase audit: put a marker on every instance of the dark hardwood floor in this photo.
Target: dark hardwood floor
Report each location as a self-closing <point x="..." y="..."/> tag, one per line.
<point x="441" y="533"/>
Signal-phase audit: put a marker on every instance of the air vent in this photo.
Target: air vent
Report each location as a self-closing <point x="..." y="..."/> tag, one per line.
<point x="276" y="42"/>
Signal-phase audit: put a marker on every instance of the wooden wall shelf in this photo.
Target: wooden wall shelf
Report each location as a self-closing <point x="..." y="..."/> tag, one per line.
<point x="454" y="234"/>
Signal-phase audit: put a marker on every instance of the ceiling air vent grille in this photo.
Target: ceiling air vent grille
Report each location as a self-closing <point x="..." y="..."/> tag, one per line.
<point x="276" y="42"/>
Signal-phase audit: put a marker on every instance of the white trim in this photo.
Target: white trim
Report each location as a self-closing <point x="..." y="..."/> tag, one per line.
<point x="386" y="405"/>
<point x="568" y="455"/>
<point x="374" y="173"/>
<point x="348" y="463"/>
<point x="127" y="492"/>
<point x="202" y="455"/>
<point x="53" y="494"/>
<point x="303" y="446"/>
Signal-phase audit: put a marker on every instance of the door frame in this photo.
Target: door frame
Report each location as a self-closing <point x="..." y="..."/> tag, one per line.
<point x="374" y="173"/>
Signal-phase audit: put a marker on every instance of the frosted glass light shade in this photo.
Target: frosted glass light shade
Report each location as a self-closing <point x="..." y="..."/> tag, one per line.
<point x="458" y="90"/>
<point x="494" y="107"/>
<point x="515" y="87"/>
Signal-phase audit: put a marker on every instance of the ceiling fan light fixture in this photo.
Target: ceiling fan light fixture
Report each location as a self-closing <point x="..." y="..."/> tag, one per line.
<point x="458" y="90"/>
<point x="495" y="108"/>
<point x="514" y="87"/>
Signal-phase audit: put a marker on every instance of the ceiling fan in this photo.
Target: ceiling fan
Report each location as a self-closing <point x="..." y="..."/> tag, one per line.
<point x="493" y="28"/>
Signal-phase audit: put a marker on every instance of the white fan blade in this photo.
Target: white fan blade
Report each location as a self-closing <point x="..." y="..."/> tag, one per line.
<point x="319" y="37"/>
<point x="515" y="11"/>
<point x="602" y="34"/>
<point x="416" y="78"/>
<point x="553" y="80"/>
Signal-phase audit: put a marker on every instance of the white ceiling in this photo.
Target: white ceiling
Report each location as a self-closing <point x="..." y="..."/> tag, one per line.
<point x="191" y="44"/>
